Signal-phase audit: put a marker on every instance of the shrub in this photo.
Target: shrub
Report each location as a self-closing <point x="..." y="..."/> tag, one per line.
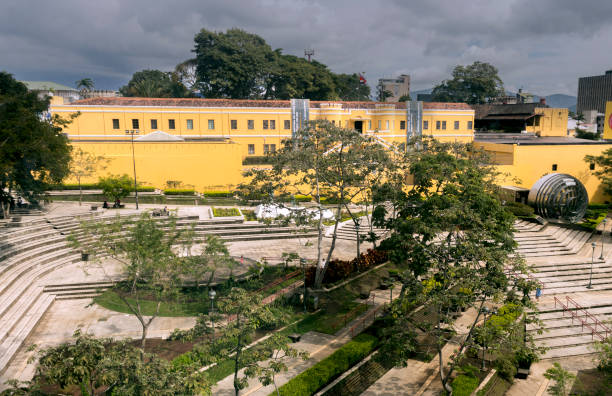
<point x="342" y="269"/>
<point x="249" y="214"/>
<point x="519" y="209"/>
<point x="466" y="382"/>
<point x="179" y="191"/>
<point x="116" y="186"/>
<point x="319" y="375"/>
<point x="225" y="212"/>
<point x="84" y="186"/>
<point x="218" y="194"/>
<point x="146" y="189"/>
<point x="256" y="160"/>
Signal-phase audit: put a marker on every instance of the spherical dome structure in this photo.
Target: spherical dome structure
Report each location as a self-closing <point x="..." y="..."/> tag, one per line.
<point x="559" y="196"/>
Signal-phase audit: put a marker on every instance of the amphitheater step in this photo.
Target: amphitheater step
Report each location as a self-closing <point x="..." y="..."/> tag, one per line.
<point x="21" y="330"/>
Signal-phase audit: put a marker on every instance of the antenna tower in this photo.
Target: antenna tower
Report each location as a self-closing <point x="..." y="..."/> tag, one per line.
<point x="309" y="53"/>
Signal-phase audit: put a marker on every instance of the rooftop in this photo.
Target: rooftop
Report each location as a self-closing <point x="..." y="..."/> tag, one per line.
<point x="46" y="86"/>
<point x="529" y="139"/>
<point x="198" y="102"/>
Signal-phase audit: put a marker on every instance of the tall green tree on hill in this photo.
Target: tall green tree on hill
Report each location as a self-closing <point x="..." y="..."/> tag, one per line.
<point x="293" y="77"/>
<point x="473" y="84"/>
<point x="234" y="64"/>
<point x="33" y="151"/>
<point x="348" y="87"/>
<point x="155" y="84"/>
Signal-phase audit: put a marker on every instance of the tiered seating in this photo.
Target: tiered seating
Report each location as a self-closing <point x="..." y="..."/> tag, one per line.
<point x="535" y="240"/>
<point x="347" y="230"/>
<point x="563" y="275"/>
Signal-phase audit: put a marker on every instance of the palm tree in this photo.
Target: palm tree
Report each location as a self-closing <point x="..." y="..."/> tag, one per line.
<point x="85" y="85"/>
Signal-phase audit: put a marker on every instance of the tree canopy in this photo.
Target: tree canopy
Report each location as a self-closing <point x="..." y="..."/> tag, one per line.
<point x="33" y="150"/>
<point x="474" y="84"/>
<point x="240" y="65"/>
<point x="603" y="170"/>
<point x="156" y="84"/>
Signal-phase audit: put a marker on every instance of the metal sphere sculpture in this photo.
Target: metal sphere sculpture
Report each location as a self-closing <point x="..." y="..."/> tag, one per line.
<point x="559" y="196"/>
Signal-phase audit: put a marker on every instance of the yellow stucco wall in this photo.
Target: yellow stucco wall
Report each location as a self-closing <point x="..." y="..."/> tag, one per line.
<point x="551" y="122"/>
<point x="525" y="164"/>
<point x="608" y="122"/>
<point x="203" y="165"/>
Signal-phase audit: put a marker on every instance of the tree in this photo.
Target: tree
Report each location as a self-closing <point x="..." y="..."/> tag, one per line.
<point x="584" y="134"/>
<point x="214" y="256"/>
<point x="562" y="380"/>
<point x="293" y="77"/>
<point x="33" y="151"/>
<point x="454" y="237"/>
<point x="234" y="64"/>
<point x="404" y="98"/>
<point x="83" y="165"/>
<point x="383" y="94"/>
<point x="85" y="85"/>
<point x="116" y="187"/>
<point x="348" y="87"/>
<point x="186" y="73"/>
<point x="103" y="366"/>
<point x="321" y="160"/>
<point x="155" y="84"/>
<point x="147" y="252"/>
<point x="473" y="84"/>
<point x="246" y="314"/>
<point x="603" y="168"/>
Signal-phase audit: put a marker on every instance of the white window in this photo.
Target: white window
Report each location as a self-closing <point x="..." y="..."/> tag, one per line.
<point x="379" y="124"/>
<point x="387" y="124"/>
<point x="272" y="124"/>
<point x="266" y="149"/>
<point x="265" y="124"/>
<point x="369" y="124"/>
<point x="251" y="149"/>
<point x="189" y="124"/>
<point x="211" y="124"/>
<point x="250" y="124"/>
<point x="273" y="148"/>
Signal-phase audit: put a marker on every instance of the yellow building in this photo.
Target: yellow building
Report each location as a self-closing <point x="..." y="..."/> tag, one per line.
<point x="203" y="142"/>
<point x="607" y="134"/>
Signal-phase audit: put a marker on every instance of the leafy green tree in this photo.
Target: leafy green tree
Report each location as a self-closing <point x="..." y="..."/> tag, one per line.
<point x="404" y="98"/>
<point x="155" y="84"/>
<point x="455" y="238"/>
<point x="584" y="134"/>
<point x="116" y="186"/>
<point x="185" y="72"/>
<point x="348" y="87"/>
<point x="293" y="77"/>
<point x="603" y="169"/>
<point x="562" y="380"/>
<point x="246" y="314"/>
<point x="213" y="257"/>
<point x="383" y="94"/>
<point x="83" y="165"/>
<point x="85" y="85"/>
<point x="321" y="160"/>
<point x="473" y="84"/>
<point x="103" y="366"/>
<point x="234" y="64"/>
<point x="33" y="151"/>
<point x="147" y="251"/>
<point x="603" y="349"/>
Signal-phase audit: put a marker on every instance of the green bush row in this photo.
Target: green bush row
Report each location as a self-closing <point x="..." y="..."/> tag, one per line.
<point x="322" y="373"/>
<point x="225" y="212"/>
<point x="520" y="209"/>
<point x="218" y="194"/>
<point x="179" y="191"/>
<point x="93" y="186"/>
<point x="256" y="160"/>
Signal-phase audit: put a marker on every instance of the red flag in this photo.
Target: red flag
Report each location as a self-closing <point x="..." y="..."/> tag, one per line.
<point x="362" y="79"/>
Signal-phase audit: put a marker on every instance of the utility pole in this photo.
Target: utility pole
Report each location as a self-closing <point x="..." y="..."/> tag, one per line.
<point x="309" y="53"/>
<point x="131" y="132"/>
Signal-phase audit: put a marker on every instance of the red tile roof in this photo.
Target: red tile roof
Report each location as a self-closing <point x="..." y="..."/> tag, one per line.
<point x="199" y="102"/>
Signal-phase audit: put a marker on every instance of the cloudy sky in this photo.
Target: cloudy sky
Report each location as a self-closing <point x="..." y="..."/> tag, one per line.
<point x="542" y="46"/>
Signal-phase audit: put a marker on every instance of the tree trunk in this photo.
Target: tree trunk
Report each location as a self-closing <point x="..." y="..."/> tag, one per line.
<point x="237" y="358"/>
<point x="80" y="192"/>
<point x="320" y="273"/>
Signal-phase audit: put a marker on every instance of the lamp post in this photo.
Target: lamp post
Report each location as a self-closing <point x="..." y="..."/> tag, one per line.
<point x="211" y="295"/>
<point x="303" y="264"/>
<point x="603" y="233"/>
<point x="131" y="132"/>
<point x="485" y="311"/>
<point x="590" y="286"/>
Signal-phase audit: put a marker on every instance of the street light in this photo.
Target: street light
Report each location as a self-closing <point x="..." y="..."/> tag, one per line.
<point x="303" y="264"/>
<point x="603" y="233"/>
<point x="593" y="245"/>
<point x="131" y="133"/>
<point x="485" y="311"/>
<point x="211" y="295"/>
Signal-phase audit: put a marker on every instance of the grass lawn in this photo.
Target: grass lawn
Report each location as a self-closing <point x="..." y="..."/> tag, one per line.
<point x="194" y="301"/>
<point x="225" y="212"/>
<point x="591" y="382"/>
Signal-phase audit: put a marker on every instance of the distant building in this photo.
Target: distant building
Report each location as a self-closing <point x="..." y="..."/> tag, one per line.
<point x="423" y="97"/>
<point x="536" y="118"/>
<point x="594" y="92"/>
<point x="397" y="86"/>
<point x="518" y="98"/>
<point x="66" y="93"/>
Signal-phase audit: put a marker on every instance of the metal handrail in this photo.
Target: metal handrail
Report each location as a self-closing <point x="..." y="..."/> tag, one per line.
<point x="583" y="322"/>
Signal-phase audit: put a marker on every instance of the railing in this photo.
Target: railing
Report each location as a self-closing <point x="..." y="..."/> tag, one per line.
<point x="290" y="275"/>
<point x="361" y="323"/>
<point x="583" y="318"/>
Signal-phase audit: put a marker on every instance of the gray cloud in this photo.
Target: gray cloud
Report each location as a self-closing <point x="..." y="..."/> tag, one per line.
<point x="542" y="46"/>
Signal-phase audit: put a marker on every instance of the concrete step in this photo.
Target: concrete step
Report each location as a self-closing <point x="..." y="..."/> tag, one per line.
<point x="11" y="317"/>
<point x="585" y="349"/>
<point x="22" y="330"/>
<point x="268" y="236"/>
<point x="26" y="246"/>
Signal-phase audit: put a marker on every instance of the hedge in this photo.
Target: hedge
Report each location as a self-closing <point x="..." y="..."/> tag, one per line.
<point x="84" y="186"/>
<point x="256" y="160"/>
<point x="520" y="209"/>
<point x="225" y="212"/>
<point x="178" y="191"/>
<point x="328" y="369"/>
<point x="146" y="189"/>
<point x="218" y="194"/>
